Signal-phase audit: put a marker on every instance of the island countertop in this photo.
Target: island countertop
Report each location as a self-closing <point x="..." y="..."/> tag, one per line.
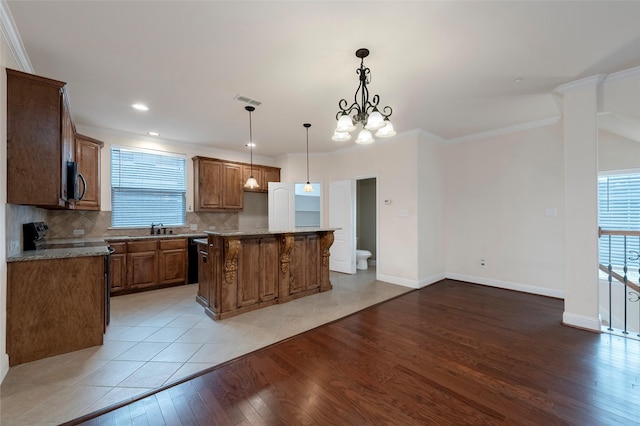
<point x="265" y="231"/>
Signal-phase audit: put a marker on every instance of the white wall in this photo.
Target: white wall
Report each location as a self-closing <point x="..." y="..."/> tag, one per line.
<point x="6" y="61"/>
<point x="395" y="163"/>
<point x="617" y="152"/>
<point x="497" y="193"/>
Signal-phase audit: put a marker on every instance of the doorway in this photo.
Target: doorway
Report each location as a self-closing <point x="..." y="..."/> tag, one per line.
<point x="367" y="219"/>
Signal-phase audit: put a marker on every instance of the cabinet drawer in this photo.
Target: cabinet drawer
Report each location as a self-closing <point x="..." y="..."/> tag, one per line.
<point x="140" y="246"/>
<point x="119" y="248"/>
<point x="174" y="243"/>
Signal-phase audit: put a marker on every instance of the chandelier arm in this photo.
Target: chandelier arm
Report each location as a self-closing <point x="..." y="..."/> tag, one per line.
<point x="384" y="112"/>
<point x="344" y="110"/>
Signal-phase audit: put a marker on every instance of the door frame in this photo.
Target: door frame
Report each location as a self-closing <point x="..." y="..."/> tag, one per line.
<point x="377" y="178"/>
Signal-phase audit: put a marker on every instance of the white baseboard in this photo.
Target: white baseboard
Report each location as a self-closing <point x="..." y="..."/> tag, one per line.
<point x="397" y="280"/>
<point x="431" y="280"/>
<point x="4" y="366"/>
<point x="412" y="283"/>
<point x="581" y="321"/>
<point x="542" y="291"/>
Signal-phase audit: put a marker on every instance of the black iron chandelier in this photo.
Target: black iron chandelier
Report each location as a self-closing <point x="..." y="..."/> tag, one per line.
<point x="365" y="113"/>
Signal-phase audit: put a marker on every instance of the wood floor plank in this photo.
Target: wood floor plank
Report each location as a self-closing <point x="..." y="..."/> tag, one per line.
<point x="451" y="353"/>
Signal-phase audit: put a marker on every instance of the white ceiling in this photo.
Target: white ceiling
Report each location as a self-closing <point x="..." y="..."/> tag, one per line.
<point x="445" y="67"/>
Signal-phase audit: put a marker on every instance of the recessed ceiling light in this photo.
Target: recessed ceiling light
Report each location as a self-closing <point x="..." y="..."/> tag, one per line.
<point x="250" y="144"/>
<point x="517" y="80"/>
<point x="154" y="134"/>
<point x="140" y="107"/>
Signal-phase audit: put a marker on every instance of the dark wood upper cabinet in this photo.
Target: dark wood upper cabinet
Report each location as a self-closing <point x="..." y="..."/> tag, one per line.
<point x="88" y="158"/>
<point x="39" y="140"/>
<point x="219" y="184"/>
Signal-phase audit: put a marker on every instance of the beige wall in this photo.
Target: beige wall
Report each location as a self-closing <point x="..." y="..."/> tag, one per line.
<point x="497" y="193"/>
<point x="617" y="153"/>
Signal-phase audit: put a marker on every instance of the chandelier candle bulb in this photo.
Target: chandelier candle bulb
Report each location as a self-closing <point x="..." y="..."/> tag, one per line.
<point x="363" y="111"/>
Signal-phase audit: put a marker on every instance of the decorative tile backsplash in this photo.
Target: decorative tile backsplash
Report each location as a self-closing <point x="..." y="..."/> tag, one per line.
<point x="62" y="224"/>
<point x="95" y="224"/>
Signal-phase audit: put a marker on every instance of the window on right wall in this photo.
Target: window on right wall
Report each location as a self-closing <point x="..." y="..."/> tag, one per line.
<point x="619" y="209"/>
<point x="147" y="187"/>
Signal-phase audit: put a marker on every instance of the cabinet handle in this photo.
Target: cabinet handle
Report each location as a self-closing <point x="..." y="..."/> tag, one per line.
<point x="84" y="186"/>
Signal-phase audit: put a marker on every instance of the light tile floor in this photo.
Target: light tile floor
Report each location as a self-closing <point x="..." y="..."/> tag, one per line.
<point x="161" y="336"/>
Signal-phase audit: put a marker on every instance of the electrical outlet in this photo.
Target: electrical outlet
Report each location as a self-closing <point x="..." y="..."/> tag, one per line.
<point x="212" y="228"/>
<point x="482" y="262"/>
<point x="78" y="232"/>
<point x="194" y="226"/>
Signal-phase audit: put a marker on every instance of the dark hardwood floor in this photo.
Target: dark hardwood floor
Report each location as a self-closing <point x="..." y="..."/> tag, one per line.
<point x="448" y="354"/>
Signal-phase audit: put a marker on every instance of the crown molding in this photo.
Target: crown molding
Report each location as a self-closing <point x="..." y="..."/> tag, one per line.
<point x="622" y="75"/>
<point x="505" y="130"/>
<point x="14" y="41"/>
<point x="592" y="81"/>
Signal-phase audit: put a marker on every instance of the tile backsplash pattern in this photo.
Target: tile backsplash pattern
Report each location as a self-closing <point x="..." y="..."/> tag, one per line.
<point x="15" y="216"/>
<point x="62" y="224"/>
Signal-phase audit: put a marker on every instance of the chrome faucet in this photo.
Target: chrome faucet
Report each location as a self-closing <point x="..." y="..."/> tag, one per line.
<point x="153" y="225"/>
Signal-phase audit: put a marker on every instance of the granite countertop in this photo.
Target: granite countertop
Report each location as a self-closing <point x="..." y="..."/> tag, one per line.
<point x="83" y="247"/>
<point x="65" y="251"/>
<point x="264" y="231"/>
<point x="156" y="236"/>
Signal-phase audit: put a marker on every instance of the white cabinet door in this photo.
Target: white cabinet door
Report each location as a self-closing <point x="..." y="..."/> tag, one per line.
<point x="281" y="206"/>
<point x="342" y="216"/>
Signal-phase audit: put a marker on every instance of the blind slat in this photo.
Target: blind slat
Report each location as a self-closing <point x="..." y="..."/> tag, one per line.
<point x="147" y="188"/>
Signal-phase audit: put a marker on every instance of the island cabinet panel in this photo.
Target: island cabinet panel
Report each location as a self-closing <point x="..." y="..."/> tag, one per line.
<point x="54" y="306"/>
<point x="253" y="271"/>
<point x="269" y="263"/>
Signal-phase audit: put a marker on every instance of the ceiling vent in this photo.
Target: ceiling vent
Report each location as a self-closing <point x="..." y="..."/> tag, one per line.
<point x="248" y="100"/>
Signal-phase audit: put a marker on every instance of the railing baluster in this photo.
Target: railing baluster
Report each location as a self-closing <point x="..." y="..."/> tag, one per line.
<point x="624" y="294"/>
<point x="610" y="288"/>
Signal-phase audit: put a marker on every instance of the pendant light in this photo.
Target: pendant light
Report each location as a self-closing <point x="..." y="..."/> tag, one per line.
<point x="251" y="182"/>
<point x="308" y="187"/>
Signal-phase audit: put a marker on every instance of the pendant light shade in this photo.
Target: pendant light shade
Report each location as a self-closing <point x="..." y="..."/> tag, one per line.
<point x="251" y="182"/>
<point x="307" y="187"/>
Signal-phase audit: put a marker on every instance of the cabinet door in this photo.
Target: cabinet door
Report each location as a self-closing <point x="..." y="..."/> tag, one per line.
<point x="208" y="184"/>
<point x="270" y="174"/>
<point x="118" y="271"/>
<point x="173" y="266"/>
<point x="232" y="193"/>
<point x="34" y="146"/>
<point x="249" y="272"/>
<point x="269" y="271"/>
<point x="142" y="269"/>
<point x="257" y="174"/>
<point x="305" y="270"/>
<point x="88" y="158"/>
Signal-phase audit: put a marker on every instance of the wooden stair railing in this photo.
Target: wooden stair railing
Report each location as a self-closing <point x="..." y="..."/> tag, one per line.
<point x="620" y="278"/>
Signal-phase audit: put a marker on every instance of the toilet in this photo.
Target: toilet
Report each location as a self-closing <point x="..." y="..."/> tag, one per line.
<point x="361" y="259"/>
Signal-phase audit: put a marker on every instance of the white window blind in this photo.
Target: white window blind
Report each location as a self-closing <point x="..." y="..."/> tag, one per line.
<point x="619" y="209"/>
<point x="147" y="187"/>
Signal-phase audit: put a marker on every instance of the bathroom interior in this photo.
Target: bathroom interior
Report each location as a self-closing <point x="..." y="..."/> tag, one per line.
<point x="366" y="236"/>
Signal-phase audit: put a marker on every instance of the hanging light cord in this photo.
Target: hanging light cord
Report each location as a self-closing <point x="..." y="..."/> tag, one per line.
<point x="307" y="154"/>
<point x="250" y="145"/>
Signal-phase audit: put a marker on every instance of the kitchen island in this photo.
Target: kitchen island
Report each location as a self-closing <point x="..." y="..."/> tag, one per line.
<point x="246" y="270"/>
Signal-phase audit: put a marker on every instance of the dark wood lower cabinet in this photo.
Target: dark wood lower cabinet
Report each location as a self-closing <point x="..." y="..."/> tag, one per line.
<point x="138" y="265"/>
<point x="244" y="273"/>
<point x="54" y="306"/>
